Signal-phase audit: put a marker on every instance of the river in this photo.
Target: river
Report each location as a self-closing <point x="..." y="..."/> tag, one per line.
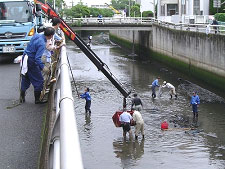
<point x="102" y="144"/>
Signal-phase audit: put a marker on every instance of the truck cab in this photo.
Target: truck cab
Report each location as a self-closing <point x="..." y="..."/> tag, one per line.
<point x="18" y="23"/>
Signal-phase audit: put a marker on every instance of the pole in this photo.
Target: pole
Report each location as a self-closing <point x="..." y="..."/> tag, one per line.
<point x="129" y="8"/>
<point x="154" y="8"/>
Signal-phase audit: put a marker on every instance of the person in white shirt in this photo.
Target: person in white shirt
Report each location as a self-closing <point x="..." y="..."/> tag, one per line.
<point x="171" y="88"/>
<point x="125" y="119"/>
<point x="139" y="127"/>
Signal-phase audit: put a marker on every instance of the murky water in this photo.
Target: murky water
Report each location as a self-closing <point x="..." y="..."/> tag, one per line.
<point x="102" y="144"/>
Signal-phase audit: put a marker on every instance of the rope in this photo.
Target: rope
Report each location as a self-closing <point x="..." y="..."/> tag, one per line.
<point x="73" y="80"/>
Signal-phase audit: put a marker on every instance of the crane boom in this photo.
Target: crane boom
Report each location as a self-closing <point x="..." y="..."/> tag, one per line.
<point x="115" y="10"/>
<point x="85" y="48"/>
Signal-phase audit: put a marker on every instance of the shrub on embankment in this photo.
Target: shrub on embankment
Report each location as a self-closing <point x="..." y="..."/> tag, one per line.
<point x="220" y="17"/>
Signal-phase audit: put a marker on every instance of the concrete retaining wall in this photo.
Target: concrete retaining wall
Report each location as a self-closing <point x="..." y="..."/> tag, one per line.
<point x="195" y="53"/>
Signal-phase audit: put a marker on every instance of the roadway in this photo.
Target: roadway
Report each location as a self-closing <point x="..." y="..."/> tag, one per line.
<point x="20" y="126"/>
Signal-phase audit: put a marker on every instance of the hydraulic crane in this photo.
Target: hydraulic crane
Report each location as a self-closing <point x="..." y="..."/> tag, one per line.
<point x="46" y="8"/>
<point x="115" y="10"/>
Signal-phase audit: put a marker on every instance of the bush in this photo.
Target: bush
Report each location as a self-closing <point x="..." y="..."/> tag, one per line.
<point x="220" y="17"/>
<point x="147" y="14"/>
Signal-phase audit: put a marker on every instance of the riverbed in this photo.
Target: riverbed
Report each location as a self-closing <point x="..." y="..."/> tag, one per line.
<point x="102" y="144"/>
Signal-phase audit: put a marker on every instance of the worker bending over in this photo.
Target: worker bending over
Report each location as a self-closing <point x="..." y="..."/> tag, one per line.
<point x="155" y="84"/>
<point x="136" y="103"/>
<point x="139" y="124"/>
<point x="171" y="88"/>
<point x="125" y="119"/>
<point x="32" y="64"/>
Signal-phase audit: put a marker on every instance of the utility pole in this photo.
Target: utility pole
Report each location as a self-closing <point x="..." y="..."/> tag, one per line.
<point x="129" y="8"/>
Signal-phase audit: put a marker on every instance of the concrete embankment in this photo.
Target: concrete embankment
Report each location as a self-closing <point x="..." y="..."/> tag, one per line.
<point x="194" y="53"/>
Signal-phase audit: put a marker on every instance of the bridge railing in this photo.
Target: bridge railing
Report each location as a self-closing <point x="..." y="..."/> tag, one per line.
<point x="64" y="150"/>
<point x="206" y="28"/>
<point x="110" y="20"/>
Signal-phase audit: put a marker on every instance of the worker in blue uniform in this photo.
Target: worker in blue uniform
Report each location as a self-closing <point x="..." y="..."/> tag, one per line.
<point x="32" y="64"/>
<point x="155" y="84"/>
<point x="87" y="97"/>
<point x="195" y="101"/>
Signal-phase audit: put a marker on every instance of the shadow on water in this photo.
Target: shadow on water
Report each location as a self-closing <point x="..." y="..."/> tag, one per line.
<point x="129" y="152"/>
<point x="102" y="144"/>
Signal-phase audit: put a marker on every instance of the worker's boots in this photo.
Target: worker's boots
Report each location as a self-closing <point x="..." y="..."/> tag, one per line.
<point x="37" y="95"/>
<point x="22" y="97"/>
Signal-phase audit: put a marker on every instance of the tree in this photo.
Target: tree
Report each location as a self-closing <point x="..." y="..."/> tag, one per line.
<point x="213" y="11"/>
<point x="79" y="11"/>
<point x="135" y="11"/>
<point x="147" y="14"/>
<point x="121" y="4"/>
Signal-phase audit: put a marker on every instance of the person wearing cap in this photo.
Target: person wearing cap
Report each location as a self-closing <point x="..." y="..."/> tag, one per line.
<point x="195" y="101"/>
<point x="155" y="84"/>
<point x="136" y="103"/>
<point x="171" y="88"/>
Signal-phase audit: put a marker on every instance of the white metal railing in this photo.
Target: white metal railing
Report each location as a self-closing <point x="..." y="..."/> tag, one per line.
<point x="206" y="28"/>
<point x="64" y="150"/>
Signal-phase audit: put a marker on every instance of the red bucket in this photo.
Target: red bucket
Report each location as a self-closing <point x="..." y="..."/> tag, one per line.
<point x="164" y="125"/>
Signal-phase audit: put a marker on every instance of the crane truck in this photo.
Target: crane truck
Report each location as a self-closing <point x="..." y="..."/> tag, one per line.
<point x="19" y="21"/>
<point x="47" y="9"/>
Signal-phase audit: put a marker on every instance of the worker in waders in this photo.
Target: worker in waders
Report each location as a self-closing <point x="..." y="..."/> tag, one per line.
<point x="125" y="119"/>
<point x="87" y="97"/>
<point x="155" y="84"/>
<point x="136" y="103"/>
<point x="32" y="65"/>
<point x="139" y="124"/>
<point x="171" y="88"/>
<point x="195" y="101"/>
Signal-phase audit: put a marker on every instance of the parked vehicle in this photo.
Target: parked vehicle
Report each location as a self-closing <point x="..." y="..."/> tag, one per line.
<point x="19" y="21"/>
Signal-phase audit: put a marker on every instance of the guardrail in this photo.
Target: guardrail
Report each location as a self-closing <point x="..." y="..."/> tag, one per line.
<point x="205" y="28"/>
<point x="64" y="150"/>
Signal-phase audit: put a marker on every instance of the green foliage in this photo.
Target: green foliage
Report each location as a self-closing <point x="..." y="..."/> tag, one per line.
<point x="220" y="17"/>
<point x="213" y="11"/>
<point x="147" y="14"/>
<point x="121" y="4"/>
<point x="80" y="11"/>
<point x="135" y="11"/>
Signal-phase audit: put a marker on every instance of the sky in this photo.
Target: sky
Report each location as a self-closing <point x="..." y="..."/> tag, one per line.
<point x="88" y="2"/>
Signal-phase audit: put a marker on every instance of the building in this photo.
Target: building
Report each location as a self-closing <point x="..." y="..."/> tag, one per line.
<point x="185" y="11"/>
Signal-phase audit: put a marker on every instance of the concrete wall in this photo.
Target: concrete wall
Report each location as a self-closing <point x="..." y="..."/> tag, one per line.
<point x="198" y="49"/>
<point x="198" y="53"/>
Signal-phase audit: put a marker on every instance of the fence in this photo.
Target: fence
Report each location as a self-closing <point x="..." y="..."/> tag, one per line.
<point x="205" y="28"/>
<point x="64" y="150"/>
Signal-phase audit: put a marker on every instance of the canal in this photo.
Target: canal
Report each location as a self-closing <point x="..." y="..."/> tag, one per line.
<point x="102" y="144"/>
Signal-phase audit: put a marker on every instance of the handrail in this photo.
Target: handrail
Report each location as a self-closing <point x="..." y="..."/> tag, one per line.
<point x="64" y="150"/>
<point x="205" y="28"/>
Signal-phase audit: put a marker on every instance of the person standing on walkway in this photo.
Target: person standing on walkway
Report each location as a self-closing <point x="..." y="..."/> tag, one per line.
<point x="125" y="119"/>
<point x="155" y="84"/>
<point x="171" y="88"/>
<point x="136" y="103"/>
<point x="139" y="127"/>
<point x="195" y="101"/>
<point x="87" y="97"/>
<point x="32" y="65"/>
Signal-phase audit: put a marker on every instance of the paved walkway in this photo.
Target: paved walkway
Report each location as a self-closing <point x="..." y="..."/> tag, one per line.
<point x="20" y="127"/>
